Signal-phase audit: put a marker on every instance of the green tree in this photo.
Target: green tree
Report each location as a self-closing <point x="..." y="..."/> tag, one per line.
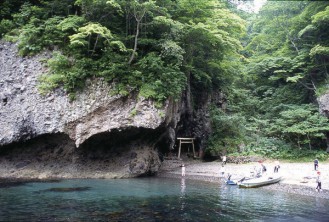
<point x="92" y="38"/>
<point x="301" y="124"/>
<point x="285" y="65"/>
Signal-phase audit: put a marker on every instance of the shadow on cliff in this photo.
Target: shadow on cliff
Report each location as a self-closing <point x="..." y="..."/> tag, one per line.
<point x="117" y="154"/>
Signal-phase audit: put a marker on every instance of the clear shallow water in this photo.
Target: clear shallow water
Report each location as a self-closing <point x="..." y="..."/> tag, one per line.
<point x="153" y="199"/>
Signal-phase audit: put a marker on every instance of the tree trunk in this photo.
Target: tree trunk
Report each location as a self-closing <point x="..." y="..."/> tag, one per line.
<point x="94" y="49"/>
<point x="309" y="142"/>
<point x="327" y="140"/>
<point x="136" y="41"/>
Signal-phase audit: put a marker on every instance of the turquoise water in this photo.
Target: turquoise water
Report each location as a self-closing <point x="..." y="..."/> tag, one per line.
<point x="153" y="199"/>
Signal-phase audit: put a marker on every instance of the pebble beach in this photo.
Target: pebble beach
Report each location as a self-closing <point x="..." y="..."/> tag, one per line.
<point x="298" y="178"/>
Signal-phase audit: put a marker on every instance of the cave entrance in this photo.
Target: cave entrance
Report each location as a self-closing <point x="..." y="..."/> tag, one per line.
<point x="185" y="140"/>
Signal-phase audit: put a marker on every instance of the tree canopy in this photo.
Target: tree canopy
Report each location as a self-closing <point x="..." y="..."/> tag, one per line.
<point x="271" y="66"/>
<point x="286" y="67"/>
<point x="133" y="43"/>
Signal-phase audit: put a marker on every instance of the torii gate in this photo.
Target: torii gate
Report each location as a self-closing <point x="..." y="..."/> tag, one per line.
<point x="185" y="140"/>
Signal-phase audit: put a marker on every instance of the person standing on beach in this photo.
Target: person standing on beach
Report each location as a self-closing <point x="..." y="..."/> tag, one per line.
<point x="183" y="170"/>
<point x="224" y="159"/>
<point x="276" y="166"/>
<point x="263" y="168"/>
<point x="318" y="181"/>
<point x="316" y="164"/>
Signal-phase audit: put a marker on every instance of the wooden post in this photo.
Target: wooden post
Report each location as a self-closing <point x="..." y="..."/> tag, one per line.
<point x="185" y="140"/>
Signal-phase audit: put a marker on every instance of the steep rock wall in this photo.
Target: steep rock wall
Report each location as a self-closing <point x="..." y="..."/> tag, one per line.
<point x="27" y="116"/>
<point x="323" y="102"/>
<point x="126" y="136"/>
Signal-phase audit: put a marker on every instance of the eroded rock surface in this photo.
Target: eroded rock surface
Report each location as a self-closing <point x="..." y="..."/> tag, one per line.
<point x="55" y="156"/>
<point x="114" y="136"/>
<point x="324" y="104"/>
<point x="25" y="114"/>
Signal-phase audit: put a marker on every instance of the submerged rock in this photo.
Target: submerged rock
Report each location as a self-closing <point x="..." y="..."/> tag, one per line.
<point x="67" y="189"/>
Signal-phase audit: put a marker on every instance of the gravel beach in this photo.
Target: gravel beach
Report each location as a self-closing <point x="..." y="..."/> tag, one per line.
<point x="298" y="178"/>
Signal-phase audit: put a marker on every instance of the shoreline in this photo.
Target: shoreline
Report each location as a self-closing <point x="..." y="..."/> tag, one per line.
<point x="298" y="178"/>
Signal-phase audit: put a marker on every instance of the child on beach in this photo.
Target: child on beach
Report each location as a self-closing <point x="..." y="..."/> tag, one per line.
<point x="183" y="170"/>
<point x="318" y="181"/>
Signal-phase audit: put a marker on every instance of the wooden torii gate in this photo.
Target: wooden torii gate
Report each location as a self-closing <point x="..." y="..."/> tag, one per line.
<point x="185" y="140"/>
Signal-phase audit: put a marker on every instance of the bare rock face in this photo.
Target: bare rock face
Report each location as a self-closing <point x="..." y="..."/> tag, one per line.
<point x="324" y="104"/>
<point x="25" y="114"/>
<point x="55" y="156"/>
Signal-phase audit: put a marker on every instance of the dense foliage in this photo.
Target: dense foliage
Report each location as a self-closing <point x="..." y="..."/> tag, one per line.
<point x="148" y="46"/>
<point x="271" y="72"/>
<point x="286" y="68"/>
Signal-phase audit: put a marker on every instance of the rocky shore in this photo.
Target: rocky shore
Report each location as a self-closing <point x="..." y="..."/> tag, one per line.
<point x="299" y="178"/>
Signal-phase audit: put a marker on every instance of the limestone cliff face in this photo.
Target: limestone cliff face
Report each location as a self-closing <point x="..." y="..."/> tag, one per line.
<point x="117" y="136"/>
<point x="25" y="114"/>
<point x="323" y="102"/>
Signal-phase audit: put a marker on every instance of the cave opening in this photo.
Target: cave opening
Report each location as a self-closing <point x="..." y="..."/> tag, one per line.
<point x="119" y="141"/>
<point x="40" y="147"/>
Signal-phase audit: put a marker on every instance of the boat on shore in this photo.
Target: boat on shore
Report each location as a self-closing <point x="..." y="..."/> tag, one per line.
<point x="231" y="182"/>
<point x="260" y="181"/>
<point x="228" y="180"/>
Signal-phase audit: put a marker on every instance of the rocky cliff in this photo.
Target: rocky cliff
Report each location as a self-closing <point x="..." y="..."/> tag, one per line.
<point x="323" y="102"/>
<point x="95" y="135"/>
<point x="26" y="114"/>
<point x="120" y="132"/>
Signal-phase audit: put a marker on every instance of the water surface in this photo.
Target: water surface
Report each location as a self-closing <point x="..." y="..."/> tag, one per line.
<point x="153" y="199"/>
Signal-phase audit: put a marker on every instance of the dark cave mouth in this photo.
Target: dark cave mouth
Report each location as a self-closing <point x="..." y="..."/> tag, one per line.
<point x="115" y="141"/>
<point x="123" y="138"/>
